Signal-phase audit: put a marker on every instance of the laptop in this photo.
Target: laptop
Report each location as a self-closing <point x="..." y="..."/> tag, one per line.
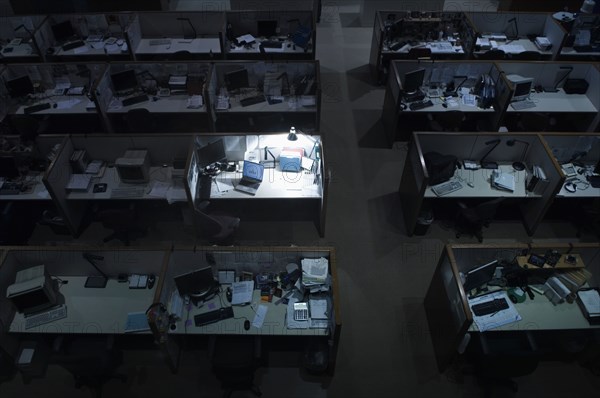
<point x="252" y="176"/>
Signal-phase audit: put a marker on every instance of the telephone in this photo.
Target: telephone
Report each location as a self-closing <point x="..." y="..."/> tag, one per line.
<point x="485" y="90"/>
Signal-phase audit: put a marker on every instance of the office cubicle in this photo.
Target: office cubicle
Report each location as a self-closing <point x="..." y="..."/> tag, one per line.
<point x="566" y="96"/>
<point x="515" y="33"/>
<point x="160" y="36"/>
<point x="451" y="319"/>
<point x="416" y="194"/>
<point x="400" y="121"/>
<point x="51" y="98"/>
<point x="285" y="194"/>
<point x="280" y="95"/>
<point x="275" y="35"/>
<point x="248" y="262"/>
<point x="448" y="35"/>
<point x="85" y="37"/>
<point x="163" y="182"/>
<point x="19" y="40"/>
<point x="174" y="99"/>
<point x="583" y="41"/>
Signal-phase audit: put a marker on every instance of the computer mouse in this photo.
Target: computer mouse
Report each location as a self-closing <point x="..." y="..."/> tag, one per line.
<point x="151" y="280"/>
<point x="246" y="325"/>
<point x="55" y="105"/>
<point x="445" y="105"/>
<point x="173" y="326"/>
<point x="570" y="187"/>
<point x="471" y="184"/>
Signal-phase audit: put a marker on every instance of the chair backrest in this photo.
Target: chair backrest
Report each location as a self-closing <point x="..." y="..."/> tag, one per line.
<point x="493" y="54"/>
<point x="140" y="120"/>
<point x="487" y="210"/>
<point x="534" y="121"/>
<point x="180" y="56"/>
<point x="528" y="56"/>
<point x="450" y="120"/>
<point x="419" y="52"/>
<point x="26" y="126"/>
<point x="210" y="225"/>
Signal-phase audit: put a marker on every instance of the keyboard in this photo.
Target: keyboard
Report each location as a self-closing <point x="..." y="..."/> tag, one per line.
<point x="490" y="307"/>
<point x="213" y="316"/>
<point x="72" y="45"/>
<point x="415" y="106"/>
<point x="42" y="318"/>
<point x="37" y="108"/>
<point x="252" y="100"/>
<point x="127" y="193"/>
<point x="135" y="100"/>
<point x="159" y="42"/>
<point x="446" y="187"/>
<point x="520" y="105"/>
<point x="272" y="44"/>
<point x="10" y="188"/>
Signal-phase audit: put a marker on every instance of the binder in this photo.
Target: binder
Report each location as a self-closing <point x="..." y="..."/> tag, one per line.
<point x="536" y="181"/>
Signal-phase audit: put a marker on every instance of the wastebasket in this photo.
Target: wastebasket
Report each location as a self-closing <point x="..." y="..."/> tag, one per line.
<point x="423" y="222"/>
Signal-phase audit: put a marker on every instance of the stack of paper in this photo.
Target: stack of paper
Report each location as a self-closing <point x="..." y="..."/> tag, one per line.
<point x="503" y="181"/>
<point x="314" y="271"/>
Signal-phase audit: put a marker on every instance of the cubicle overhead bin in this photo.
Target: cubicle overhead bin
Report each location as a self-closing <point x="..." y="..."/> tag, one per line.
<point x="288" y="191"/>
<point x="504" y="149"/>
<point x="51" y="98"/>
<point x="583" y="41"/>
<point x="566" y="96"/>
<point x="85" y="37"/>
<point x="542" y="323"/>
<point x="270" y="35"/>
<point x="155" y="173"/>
<point x="261" y="265"/>
<point x="19" y="39"/>
<point x="265" y="97"/>
<point x="467" y="111"/>
<point x="412" y="35"/>
<point x="170" y="36"/>
<point x="515" y="34"/>
<point x="168" y="97"/>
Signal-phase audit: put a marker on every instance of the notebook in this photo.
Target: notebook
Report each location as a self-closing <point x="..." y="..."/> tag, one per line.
<point x="252" y="176"/>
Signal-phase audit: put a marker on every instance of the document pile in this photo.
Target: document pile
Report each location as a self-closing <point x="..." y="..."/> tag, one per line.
<point x="483" y="43"/>
<point x="543" y="43"/>
<point x="503" y="181"/>
<point x="315" y="274"/>
<point x="536" y="181"/>
<point x="589" y="302"/>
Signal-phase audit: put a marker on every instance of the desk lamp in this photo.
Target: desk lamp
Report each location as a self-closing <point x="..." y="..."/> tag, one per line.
<point x="95" y="281"/>
<point x="514" y="21"/>
<point x="519" y="165"/>
<point x="554" y="89"/>
<point x="489" y="165"/>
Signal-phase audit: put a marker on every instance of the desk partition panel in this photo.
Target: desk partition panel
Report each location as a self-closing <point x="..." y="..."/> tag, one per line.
<point x="19" y="42"/>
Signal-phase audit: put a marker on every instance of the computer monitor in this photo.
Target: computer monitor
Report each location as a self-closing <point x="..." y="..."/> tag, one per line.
<point x="266" y="28"/>
<point x="134" y="167"/>
<point x="19" y="87"/>
<point x="236" y="79"/>
<point x="522" y="87"/>
<point x="210" y="154"/>
<point x="413" y="80"/>
<point x="480" y="275"/>
<point x="33" y="290"/>
<point x="124" y="81"/>
<point x="63" y="31"/>
<point x="8" y="167"/>
<point x="197" y="284"/>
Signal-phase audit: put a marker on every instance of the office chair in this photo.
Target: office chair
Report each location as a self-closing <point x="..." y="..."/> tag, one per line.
<point x="471" y="220"/>
<point x="92" y="360"/>
<point x="218" y="228"/>
<point x="586" y="217"/>
<point x="534" y="121"/>
<point x="180" y="56"/>
<point x="140" y="120"/>
<point x="234" y="360"/>
<point x="446" y="121"/>
<point x="492" y="54"/>
<point x="527" y="56"/>
<point x="26" y="126"/>
<point x="419" y="52"/>
<point x="124" y="223"/>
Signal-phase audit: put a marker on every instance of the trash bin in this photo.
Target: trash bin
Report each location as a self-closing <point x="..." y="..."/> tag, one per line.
<point x="424" y="221"/>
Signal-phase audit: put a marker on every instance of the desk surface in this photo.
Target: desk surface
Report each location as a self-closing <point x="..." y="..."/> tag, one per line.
<point x="38" y="192"/>
<point x="276" y="185"/>
<point x="288" y="47"/>
<point x="584" y="190"/>
<point x="22" y="50"/>
<point x="65" y="104"/>
<point x="436" y="47"/>
<point x="482" y="187"/>
<point x="438" y="106"/>
<point x="99" y="48"/>
<point x="516" y="47"/>
<point x="558" y="102"/>
<point x="92" y="310"/>
<point x="194" y="46"/>
<point x="289" y="104"/>
<point x="274" y="323"/>
<point x="171" y="104"/>
<point x="570" y="51"/>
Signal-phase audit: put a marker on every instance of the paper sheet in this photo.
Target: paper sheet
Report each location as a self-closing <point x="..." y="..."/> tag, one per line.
<point x="242" y="292"/>
<point x="67" y="104"/>
<point x="81" y="50"/>
<point x="259" y="318"/>
<point x="159" y="189"/>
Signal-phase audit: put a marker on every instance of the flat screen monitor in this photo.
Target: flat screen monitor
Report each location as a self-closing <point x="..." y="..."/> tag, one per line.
<point x="413" y="80"/>
<point x="236" y="79"/>
<point x="63" y="31"/>
<point x="196" y="284"/>
<point x="19" y="87"/>
<point x="479" y="276"/>
<point x="8" y="167"/>
<point x="266" y="28"/>
<point x="211" y="153"/>
<point x="124" y="81"/>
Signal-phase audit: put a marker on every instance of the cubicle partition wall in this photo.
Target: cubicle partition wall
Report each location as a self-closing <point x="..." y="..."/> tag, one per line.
<point x="476" y="184"/>
<point x="573" y="107"/>
<point x="451" y="319"/>
<point x="514" y="33"/>
<point x="176" y="98"/>
<point x="165" y="154"/>
<point x="160" y="36"/>
<point x="51" y="98"/>
<point x="282" y="34"/>
<point x="583" y="40"/>
<point x="280" y="95"/>
<point x="85" y="37"/>
<point x="19" y="42"/>
<point x="248" y="263"/>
